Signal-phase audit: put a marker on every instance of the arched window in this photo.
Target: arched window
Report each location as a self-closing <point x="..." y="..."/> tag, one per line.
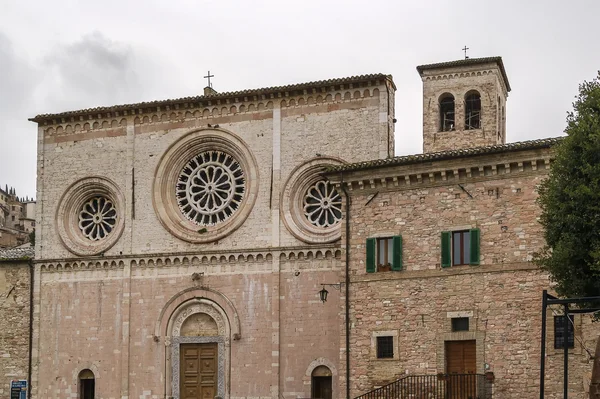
<point x="472" y="110"/>
<point x="447" y="112"/>
<point x="87" y="384"/>
<point x="321" y="384"/>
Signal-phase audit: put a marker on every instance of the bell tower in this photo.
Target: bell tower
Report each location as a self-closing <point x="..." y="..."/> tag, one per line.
<point x="464" y="104"/>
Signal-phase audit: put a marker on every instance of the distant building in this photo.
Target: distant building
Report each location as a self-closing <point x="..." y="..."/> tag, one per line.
<point x="17" y="218"/>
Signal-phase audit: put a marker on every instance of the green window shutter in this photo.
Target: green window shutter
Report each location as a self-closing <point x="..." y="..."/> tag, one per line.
<point x="474" y="233"/>
<point x="446" y="249"/>
<point x="397" y="260"/>
<point x="371" y="243"/>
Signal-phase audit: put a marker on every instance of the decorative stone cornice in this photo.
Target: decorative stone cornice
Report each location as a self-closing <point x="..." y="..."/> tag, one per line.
<point x="423" y="69"/>
<point x="208" y="258"/>
<point x="262" y="95"/>
<point x="193" y="115"/>
<point x="442" y="168"/>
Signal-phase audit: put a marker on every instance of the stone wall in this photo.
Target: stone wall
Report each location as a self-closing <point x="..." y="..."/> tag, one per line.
<point x="110" y="311"/>
<point x="501" y="296"/>
<point x="346" y="125"/>
<point x="14" y="322"/>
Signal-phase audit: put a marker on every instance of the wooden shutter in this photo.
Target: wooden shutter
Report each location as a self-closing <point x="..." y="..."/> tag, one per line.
<point x="371" y="244"/>
<point x="446" y="249"/>
<point x="397" y="253"/>
<point x="474" y="233"/>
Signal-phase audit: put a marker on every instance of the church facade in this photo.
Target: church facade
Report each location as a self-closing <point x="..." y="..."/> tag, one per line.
<point x="183" y="247"/>
<point x="182" y="244"/>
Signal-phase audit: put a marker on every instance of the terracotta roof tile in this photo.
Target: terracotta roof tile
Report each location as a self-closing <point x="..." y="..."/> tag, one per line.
<point x="217" y="96"/>
<point x="444" y="155"/>
<point x="16" y="254"/>
<point x="468" y="61"/>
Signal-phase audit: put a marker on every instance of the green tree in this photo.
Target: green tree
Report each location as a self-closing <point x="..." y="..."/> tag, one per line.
<point x="570" y="203"/>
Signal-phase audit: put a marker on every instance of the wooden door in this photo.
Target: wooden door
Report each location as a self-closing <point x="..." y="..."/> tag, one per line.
<point x="461" y="365"/>
<point x="198" y="371"/>
<point x="321" y="387"/>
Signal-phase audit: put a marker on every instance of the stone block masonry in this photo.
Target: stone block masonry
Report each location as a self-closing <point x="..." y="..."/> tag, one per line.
<point x="500" y="295"/>
<point x="114" y="308"/>
<point x="14" y="321"/>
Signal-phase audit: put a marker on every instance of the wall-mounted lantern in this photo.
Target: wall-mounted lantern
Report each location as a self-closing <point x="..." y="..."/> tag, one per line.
<point x="323" y="293"/>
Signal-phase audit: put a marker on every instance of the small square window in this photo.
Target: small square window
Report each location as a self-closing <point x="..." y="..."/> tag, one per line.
<point x="385" y="347"/>
<point x="560" y="334"/>
<point x="385" y="250"/>
<point x="460" y="324"/>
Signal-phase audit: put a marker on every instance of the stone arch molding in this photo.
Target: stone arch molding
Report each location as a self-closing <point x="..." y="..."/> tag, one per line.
<point x="183" y="310"/>
<point x="194" y="295"/>
<point x="200" y="306"/>
<point x="78" y="367"/>
<point x="321" y="361"/>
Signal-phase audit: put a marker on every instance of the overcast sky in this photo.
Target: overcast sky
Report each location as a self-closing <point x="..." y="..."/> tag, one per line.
<point x="62" y="55"/>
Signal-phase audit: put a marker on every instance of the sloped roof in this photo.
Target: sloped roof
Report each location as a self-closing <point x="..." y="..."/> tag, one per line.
<point x="451" y="154"/>
<point x="465" y="62"/>
<point x="16" y="254"/>
<point x="218" y="96"/>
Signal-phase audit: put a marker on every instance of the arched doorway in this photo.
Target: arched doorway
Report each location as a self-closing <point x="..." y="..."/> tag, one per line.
<point x="87" y="384"/>
<point x="198" y="373"/>
<point x="198" y="337"/>
<point x="321" y="383"/>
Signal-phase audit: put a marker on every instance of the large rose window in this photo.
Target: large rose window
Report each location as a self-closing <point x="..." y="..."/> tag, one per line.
<point x="323" y="205"/>
<point x="210" y="188"/>
<point x="206" y="185"/>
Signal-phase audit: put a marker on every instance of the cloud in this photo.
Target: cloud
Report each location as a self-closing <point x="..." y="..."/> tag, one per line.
<point x="16" y="80"/>
<point x="90" y="72"/>
<point x="17" y="148"/>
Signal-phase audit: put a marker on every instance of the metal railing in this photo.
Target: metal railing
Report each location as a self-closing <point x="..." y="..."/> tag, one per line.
<point x="440" y="386"/>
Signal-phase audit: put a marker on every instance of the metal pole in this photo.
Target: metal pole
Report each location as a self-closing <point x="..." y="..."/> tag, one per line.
<point x="566" y="350"/>
<point x="543" y="351"/>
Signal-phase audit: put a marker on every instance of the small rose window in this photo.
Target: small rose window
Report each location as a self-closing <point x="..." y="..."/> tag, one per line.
<point x="97" y="218"/>
<point x="322" y="205"/>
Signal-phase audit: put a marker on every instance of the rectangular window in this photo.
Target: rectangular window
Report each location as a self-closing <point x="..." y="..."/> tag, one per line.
<point x="384" y="251"/>
<point x="460" y="324"/>
<point x="384" y="254"/>
<point x="560" y="334"/>
<point x="385" y="347"/>
<point x="460" y="248"/>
